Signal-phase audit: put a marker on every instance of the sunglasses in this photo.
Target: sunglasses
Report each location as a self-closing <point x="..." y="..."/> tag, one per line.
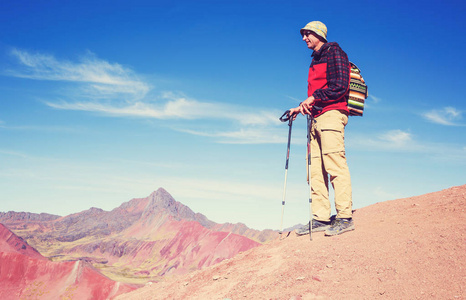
<point x="306" y="33"/>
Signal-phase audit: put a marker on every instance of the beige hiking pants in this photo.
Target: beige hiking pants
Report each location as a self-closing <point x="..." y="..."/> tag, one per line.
<point x="328" y="160"/>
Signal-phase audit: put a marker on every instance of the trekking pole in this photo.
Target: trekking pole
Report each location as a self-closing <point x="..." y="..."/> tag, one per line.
<point x="286" y="117"/>
<point x="309" y="124"/>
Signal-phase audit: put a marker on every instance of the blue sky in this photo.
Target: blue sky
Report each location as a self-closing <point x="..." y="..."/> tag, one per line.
<point x="105" y="101"/>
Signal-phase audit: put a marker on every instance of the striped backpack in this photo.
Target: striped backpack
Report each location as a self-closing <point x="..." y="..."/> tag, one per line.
<point x="357" y="92"/>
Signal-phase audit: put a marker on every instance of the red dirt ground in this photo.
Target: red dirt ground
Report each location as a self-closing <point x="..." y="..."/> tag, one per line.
<point x="411" y="248"/>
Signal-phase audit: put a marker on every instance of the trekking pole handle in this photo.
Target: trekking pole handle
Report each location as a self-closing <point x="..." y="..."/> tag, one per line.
<point x="286" y="117"/>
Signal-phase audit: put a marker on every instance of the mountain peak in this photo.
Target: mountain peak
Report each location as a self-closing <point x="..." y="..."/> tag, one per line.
<point x="161" y="201"/>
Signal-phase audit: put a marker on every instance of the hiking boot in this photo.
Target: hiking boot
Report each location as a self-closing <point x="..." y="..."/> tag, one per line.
<point x="316" y="226"/>
<point x="339" y="226"/>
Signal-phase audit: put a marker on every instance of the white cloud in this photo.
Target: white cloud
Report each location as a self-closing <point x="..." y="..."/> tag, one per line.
<point x="402" y="141"/>
<point x="101" y="77"/>
<point x="374" y="98"/>
<point x="174" y="108"/>
<point x="217" y="188"/>
<point x="105" y="80"/>
<point x="181" y="107"/>
<point x="114" y="90"/>
<point x="13" y="153"/>
<point x="397" y="137"/>
<point x="448" y="116"/>
<point x="392" y="140"/>
<point x="244" y="136"/>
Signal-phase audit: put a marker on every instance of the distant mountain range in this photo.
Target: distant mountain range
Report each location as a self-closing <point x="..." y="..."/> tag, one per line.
<point x="142" y="240"/>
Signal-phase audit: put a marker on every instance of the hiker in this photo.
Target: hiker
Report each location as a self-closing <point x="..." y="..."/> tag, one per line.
<point x="328" y="88"/>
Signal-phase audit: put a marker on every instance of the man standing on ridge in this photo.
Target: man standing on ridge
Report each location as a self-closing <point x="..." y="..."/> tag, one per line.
<point x="328" y="90"/>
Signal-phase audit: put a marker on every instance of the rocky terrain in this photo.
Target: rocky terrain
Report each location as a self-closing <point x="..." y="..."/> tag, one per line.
<point x="413" y="248"/>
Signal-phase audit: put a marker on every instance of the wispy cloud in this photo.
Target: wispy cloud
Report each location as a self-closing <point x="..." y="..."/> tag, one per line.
<point x="102" y="78"/>
<point x="391" y="140"/>
<point x="244" y="136"/>
<point x="173" y="106"/>
<point x="13" y="153"/>
<point x="403" y="141"/>
<point x="396" y="137"/>
<point x="374" y="98"/>
<point x="448" y="116"/>
<point x="113" y="90"/>
<point x="216" y="188"/>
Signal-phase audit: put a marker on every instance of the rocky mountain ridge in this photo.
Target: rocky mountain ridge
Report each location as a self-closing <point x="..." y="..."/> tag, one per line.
<point x="142" y="239"/>
<point x="96" y="221"/>
<point x="26" y="216"/>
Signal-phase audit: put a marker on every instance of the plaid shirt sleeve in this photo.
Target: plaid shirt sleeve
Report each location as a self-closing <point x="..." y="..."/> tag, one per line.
<point x="338" y="76"/>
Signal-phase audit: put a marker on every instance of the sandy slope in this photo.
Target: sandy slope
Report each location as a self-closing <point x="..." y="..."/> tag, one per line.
<point x="413" y="248"/>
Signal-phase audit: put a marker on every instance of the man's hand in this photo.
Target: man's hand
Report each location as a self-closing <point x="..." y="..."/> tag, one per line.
<point x="306" y="105"/>
<point x="304" y="108"/>
<point x="294" y="112"/>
